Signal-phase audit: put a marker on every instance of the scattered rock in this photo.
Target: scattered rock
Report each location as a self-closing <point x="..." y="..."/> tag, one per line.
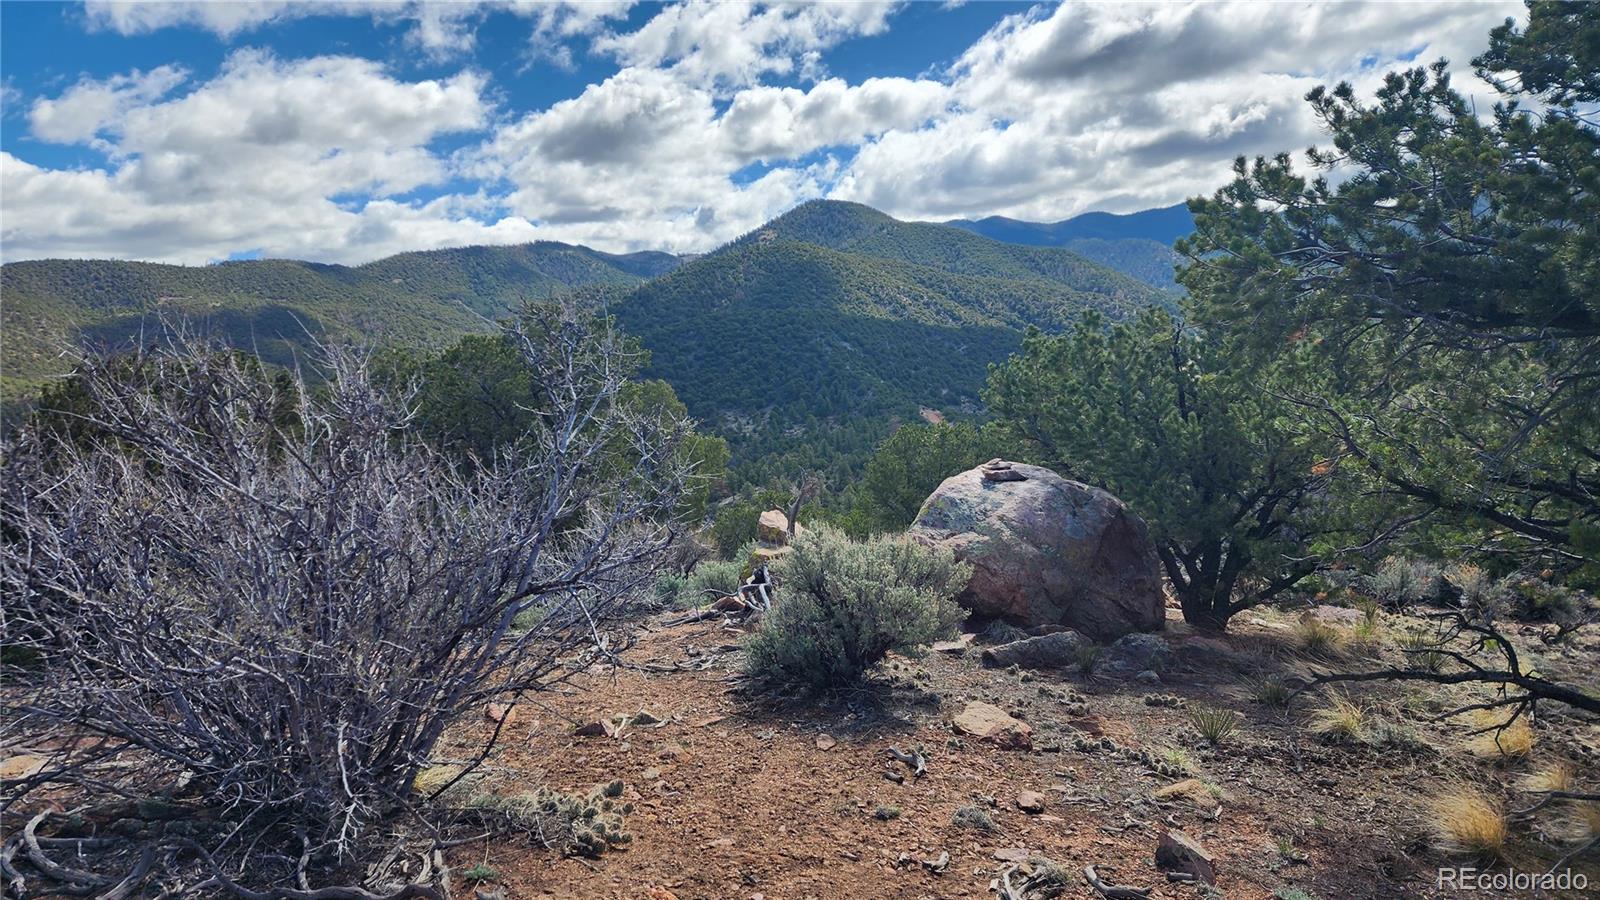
<point x="1050" y="651"/>
<point x="1129" y="655"/>
<point x="1337" y="615"/>
<point x="1148" y="676"/>
<point x="1178" y="852"/>
<point x="1031" y="802"/>
<point x="990" y="723"/>
<point x="1012" y="854"/>
<point x="1191" y="790"/>
<point x="1207" y="653"/>
<point x="826" y="742"/>
<point x="1045" y="550"/>
<point x="773" y="528"/>
<point x="1000" y="470"/>
<point x="651" y="774"/>
<point x="937" y="864"/>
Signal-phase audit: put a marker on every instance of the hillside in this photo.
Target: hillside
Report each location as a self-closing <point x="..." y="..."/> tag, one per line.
<point x="1136" y="244"/>
<point x="860" y="229"/>
<point x="423" y="298"/>
<point x="803" y="341"/>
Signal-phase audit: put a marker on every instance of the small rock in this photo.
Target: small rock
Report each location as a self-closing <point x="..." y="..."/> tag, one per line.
<point x="651" y="774"/>
<point x="1129" y="655"/>
<point x="773" y="527"/>
<point x="642" y="718"/>
<point x="955" y="648"/>
<point x="1031" y="802"/>
<point x="660" y="893"/>
<point x="1148" y="676"/>
<point x="938" y="864"/>
<point x="500" y="712"/>
<point x="1178" y="852"/>
<point x="1012" y="854"/>
<point x="1191" y="790"/>
<point x="497" y="894"/>
<point x="1337" y="615"/>
<point x="591" y="729"/>
<point x="826" y="742"/>
<point x="1048" y="651"/>
<point x="990" y="723"/>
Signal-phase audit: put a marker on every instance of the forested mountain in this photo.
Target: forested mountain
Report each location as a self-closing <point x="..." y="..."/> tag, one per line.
<point x="861" y="229"/>
<point x="1137" y="244"/>
<point x="803" y="341"/>
<point x="424" y="298"/>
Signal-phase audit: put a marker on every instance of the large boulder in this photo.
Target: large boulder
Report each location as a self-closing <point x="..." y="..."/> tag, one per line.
<point x="1046" y="551"/>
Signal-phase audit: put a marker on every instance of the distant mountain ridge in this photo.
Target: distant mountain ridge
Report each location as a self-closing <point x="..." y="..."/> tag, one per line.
<point x="1164" y="226"/>
<point x="423" y="298"/>
<point x="1137" y="244"/>
<point x="803" y="341"/>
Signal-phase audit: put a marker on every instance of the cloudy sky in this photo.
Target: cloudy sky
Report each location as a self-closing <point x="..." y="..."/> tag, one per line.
<point x="348" y="131"/>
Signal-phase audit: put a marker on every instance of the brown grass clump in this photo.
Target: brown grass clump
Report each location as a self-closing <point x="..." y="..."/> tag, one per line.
<point x="1317" y="637"/>
<point x="1468" y="821"/>
<point x="1558" y="775"/>
<point x="1343" y="721"/>
<point x="1503" y="739"/>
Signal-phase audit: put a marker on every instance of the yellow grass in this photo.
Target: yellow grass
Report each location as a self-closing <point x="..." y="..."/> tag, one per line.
<point x="1316" y="636"/>
<point x="1342" y="720"/>
<point x="1558" y="775"/>
<point x="1467" y="821"/>
<point x="1502" y="740"/>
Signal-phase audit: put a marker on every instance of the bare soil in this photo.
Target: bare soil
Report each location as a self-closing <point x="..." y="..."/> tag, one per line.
<point x="744" y="796"/>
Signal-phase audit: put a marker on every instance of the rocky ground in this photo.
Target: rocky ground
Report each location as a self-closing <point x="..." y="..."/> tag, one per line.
<point x="738" y="796"/>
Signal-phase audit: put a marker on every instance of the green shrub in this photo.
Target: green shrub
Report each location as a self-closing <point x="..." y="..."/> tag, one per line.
<point x="710" y="575"/>
<point x="669" y="586"/>
<point x="973" y="818"/>
<point x="734" y="524"/>
<point x="1482" y="595"/>
<point x="842" y="606"/>
<point x="1215" y="725"/>
<point x="1400" y="582"/>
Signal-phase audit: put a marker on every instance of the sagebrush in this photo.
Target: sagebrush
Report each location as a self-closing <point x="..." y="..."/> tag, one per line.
<point x="842" y="606"/>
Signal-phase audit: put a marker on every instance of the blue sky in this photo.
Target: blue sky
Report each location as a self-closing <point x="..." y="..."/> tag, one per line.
<point x="347" y="131"/>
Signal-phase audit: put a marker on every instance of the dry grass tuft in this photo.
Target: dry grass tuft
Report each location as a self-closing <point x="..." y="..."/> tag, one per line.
<point x="1468" y="821"/>
<point x="1317" y="637"/>
<point x="1343" y="721"/>
<point x="1558" y="775"/>
<point x="1504" y="738"/>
